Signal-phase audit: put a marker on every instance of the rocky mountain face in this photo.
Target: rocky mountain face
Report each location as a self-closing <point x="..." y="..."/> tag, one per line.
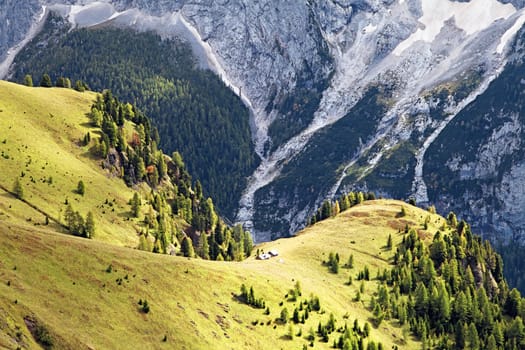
<point x="401" y="97"/>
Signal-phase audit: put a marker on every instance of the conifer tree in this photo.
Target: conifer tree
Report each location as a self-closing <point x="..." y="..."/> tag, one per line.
<point x="90" y="225"/>
<point x="360" y="198"/>
<point x="135" y="205"/>
<point x="460" y="335"/>
<point x="452" y="219"/>
<point x="96" y="117"/>
<point x="46" y="81"/>
<point x="512" y="305"/>
<point x="248" y="243"/>
<point x="336" y="209"/>
<point x="350" y="263"/>
<point x="144" y="244"/>
<point x="187" y="247"/>
<point x="18" y="190"/>
<point x="491" y="343"/>
<point x="473" y="337"/>
<point x="28" y="80"/>
<point x="284" y="315"/>
<point x="80" y="86"/>
<point x="81" y="188"/>
<point x="204" y="248"/>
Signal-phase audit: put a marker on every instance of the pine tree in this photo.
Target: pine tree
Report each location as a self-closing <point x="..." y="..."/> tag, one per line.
<point x="516" y="333"/>
<point x="161" y="165"/>
<point x="80" y="86"/>
<point x="512" y="305"/>
<point x="90" y="225"/>
<point x="248" y="243"/>
<point x="473" y="337"/>
<point x="28" y="80"/>
<point x="18" y="190"/>
<point x="360" y="198"/>
<point x="460" y="335"/>
<point x="389" y="242"/>
<point x="295" y="316"/>
<point x="144" y="243"/>
<point x="421" y="299"/>
<point x="145" y="306"/>
<point x="135" y="205"/>
<point x="284" y="315"/>
<point x="96" y="117"/>
<point x="187" y="247"/>
<point x="498" y="334"/>
<point x="81" y="188"/>
<point x="61" y="82"/>
<point x="350" y="263"/>
<point x="452" y="220"/>
<point x="336" y="209"/>
<point x="491" y="343"/>
<point x="366" y="330"/>
<point x="204" y="248"/>
<point x="46" y="81"/>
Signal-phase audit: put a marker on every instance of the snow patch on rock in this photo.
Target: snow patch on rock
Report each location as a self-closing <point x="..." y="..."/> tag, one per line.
<point x="471" y="17"/>
<point x="90" y="14"/>
<point x="511" y="32"/>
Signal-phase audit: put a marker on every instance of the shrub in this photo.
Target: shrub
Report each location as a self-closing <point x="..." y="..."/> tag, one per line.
<point x="145" y="307"/>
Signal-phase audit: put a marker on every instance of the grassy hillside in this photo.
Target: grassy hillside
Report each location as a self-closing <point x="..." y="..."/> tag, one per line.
<point x="425" y="276"/>
<point x="61" y="288"/>
<point x="63" y="283"/>
<point x="41" y="129"/>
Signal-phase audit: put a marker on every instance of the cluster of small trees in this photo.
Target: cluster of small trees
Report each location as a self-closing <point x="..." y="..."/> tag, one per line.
<point x="248" y="297"/>
<point x="227" y="243"/>
<point x="62" y="82"/>
<point x="220" y="243"/>
<point x="144" y="306"/>
<point x="364" y="274"/>
<point x="346" y="201"/>
<point x="139" y="160"/>
<point x="77" y="225"/>
<point x="451" y="293"/>
<point x="333" y="262"/>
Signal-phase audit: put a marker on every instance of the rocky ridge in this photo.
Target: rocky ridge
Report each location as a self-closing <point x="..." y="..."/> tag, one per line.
<point x="412" y="67"/>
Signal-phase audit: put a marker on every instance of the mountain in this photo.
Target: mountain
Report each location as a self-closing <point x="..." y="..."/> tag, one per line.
<point x="367" y="95"/>
<point x="88" y="165"/>
<point x="367" y="273"/>
<point x="194" y="112"/>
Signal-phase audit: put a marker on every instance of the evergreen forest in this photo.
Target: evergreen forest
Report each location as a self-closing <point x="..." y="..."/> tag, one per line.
<point x="192" y="109"/>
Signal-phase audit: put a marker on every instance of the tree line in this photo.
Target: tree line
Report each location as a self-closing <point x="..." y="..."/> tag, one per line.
<point x="193" y="111"/>
<point x="128" y="148"/>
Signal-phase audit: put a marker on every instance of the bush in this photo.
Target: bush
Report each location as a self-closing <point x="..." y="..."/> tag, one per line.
<point x="145" y="307"/>
<point x="81" y="188"/>
<point x="43" y="336"/>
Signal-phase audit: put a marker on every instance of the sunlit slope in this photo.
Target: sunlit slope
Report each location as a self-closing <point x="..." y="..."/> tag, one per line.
<point x="64" y="283"/>
<point x="40" y="134"/>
